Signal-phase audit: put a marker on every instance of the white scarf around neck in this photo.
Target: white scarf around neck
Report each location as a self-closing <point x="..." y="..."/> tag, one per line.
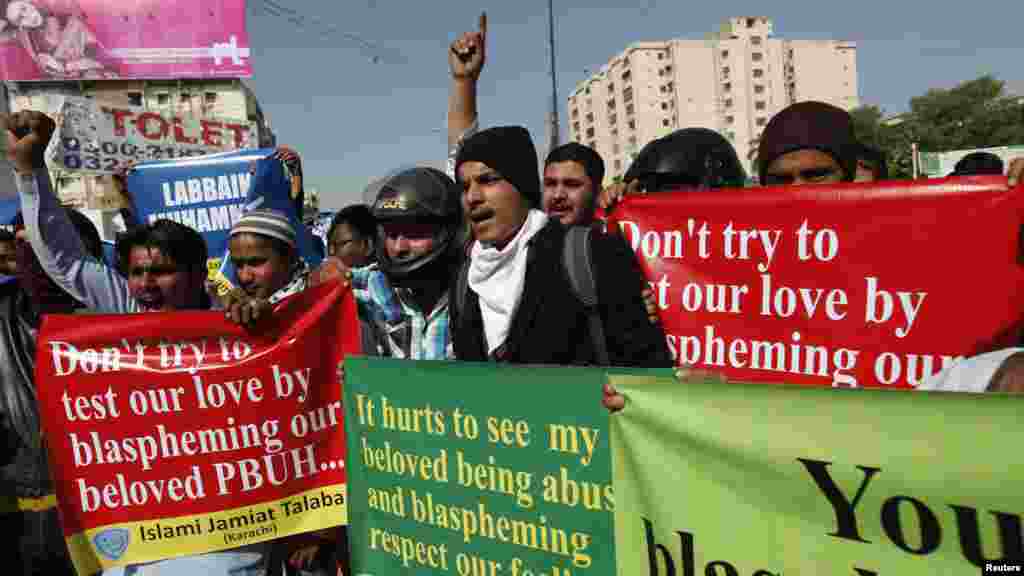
<point x="497" y="277"/>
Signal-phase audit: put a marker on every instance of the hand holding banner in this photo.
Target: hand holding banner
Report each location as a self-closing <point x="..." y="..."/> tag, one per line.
<point x="878" y="285"/>
<point x="715" y="478"/>
<point x="200" y="439"/>
<point x="478" y="469"/>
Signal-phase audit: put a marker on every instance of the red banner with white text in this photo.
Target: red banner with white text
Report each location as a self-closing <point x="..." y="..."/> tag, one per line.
<point x="854" y="285"/>
<point x="180" y="433"/>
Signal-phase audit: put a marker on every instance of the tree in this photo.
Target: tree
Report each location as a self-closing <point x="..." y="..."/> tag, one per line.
<point x="974" y="114"/>
<point x="867" y="123"/>
<point x="871" y="130"/>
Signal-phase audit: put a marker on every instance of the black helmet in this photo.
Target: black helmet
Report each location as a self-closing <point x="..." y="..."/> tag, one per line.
<point x="695" y="157"/>
<point x="423" y="195"/>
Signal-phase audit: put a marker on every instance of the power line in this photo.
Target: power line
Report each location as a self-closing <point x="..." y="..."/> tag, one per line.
<point x="313" y="25"/>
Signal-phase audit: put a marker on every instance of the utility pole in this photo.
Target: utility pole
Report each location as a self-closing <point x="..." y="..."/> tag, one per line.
<point x="553" y="136"/>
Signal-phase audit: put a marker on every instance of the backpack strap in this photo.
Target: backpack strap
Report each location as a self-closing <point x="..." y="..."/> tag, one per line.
<point x="578" y="263"/>
<point x="458" y="303"/>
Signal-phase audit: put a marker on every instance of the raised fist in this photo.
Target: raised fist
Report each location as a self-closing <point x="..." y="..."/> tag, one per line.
<point x="467" y="54"/>
<point x="28" y="133"/>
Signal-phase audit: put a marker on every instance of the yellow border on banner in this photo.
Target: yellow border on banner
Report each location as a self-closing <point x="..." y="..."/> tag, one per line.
<point x="189" y="535"/>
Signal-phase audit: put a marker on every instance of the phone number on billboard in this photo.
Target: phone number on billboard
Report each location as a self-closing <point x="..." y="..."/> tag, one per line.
<point x="113" y="156"/>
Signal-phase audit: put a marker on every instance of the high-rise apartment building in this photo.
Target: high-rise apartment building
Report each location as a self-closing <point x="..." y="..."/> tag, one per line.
<point x="732" y="82"/>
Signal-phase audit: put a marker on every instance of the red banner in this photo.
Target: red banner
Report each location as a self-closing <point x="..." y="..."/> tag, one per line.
<point x="856" y="285"/>
<point x="181" y="433"/>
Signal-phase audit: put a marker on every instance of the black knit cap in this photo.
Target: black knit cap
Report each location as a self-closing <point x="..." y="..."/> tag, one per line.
<point x="810" y="126"/>
<point x="509" y="150"/>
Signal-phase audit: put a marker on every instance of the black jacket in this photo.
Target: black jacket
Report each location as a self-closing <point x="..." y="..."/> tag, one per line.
<point x="23" y="464"/>
<point x="550" y="324"/>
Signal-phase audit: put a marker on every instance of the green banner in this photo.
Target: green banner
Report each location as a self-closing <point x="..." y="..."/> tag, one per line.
<point x="733" y="479"/>
<point x="478" y="469"/>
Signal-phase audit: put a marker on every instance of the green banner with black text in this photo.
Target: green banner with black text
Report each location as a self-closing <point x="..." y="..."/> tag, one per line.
<point x="735" y="479"/>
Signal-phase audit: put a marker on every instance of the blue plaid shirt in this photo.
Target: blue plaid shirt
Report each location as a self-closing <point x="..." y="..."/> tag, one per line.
<point x="400" y="329"/>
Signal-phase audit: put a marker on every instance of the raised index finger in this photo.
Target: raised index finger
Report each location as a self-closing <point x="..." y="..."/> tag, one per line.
<point x="483" y="24"/>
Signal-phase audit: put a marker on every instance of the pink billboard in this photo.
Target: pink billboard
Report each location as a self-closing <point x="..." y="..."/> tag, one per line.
<point x="108" y="39"/>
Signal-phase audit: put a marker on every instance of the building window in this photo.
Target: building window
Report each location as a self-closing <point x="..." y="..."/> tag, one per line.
<point x="660" y="56"/>
<point x="761" y="121"/>
<point x="669" y="87"/>
<point x="626" y="75"/>
<point x="575" y="112"/>
<point x="728" y="102"/>
<point x="163" y="98"/>
<point x="758" y="73"/>
<point x="576" y="127"/>
<point x="730" y="119"/>
<point x="590" y="117"/>
<point x="759" y="105"/>
<point x="611" y="88"/>
<point x="611" y="104"/>
<point x="725" y="54"/>
<point x="664" y="105"/>
<point x="590" y="132"/>
<point x="755" y="40"/>
<point x="756" y="56"/>
<point x="758" y="88"/>
<point x="725" y="71"/>
<point x="210" y="97"/>
<point x="727" y="87"/>
<point x="665" y="122"/>
<point x="627" y="94"/>
<point x="618" y="165"/>
<point x="615" y="132"/>
<point x="135" y="98"/>
<point x="632" y="126"/>
<point x="668" y="69"/>
<point x="612" y="119"/>
<point x="629" y="109"/>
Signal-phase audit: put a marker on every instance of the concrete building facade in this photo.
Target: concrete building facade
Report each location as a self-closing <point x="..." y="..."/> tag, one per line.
<point x="732" y="82"/>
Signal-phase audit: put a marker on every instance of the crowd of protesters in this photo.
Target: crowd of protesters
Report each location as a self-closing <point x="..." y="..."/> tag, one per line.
<point x="444" y="266"/>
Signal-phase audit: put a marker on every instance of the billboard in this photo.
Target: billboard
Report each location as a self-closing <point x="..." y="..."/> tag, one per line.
<point x="102" y="138"/>
<point x="123" y="39"/>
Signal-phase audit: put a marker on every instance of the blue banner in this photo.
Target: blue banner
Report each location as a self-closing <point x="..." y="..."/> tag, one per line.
<point x="9" y="210"/>
<point x="210" y="194"/>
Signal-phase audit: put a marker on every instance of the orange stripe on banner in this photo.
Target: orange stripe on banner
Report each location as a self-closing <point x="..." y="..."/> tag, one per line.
<point x="112" y="545"/>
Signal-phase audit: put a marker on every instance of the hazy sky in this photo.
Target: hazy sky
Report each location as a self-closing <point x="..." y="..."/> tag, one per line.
<point x="353" y="119"/>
